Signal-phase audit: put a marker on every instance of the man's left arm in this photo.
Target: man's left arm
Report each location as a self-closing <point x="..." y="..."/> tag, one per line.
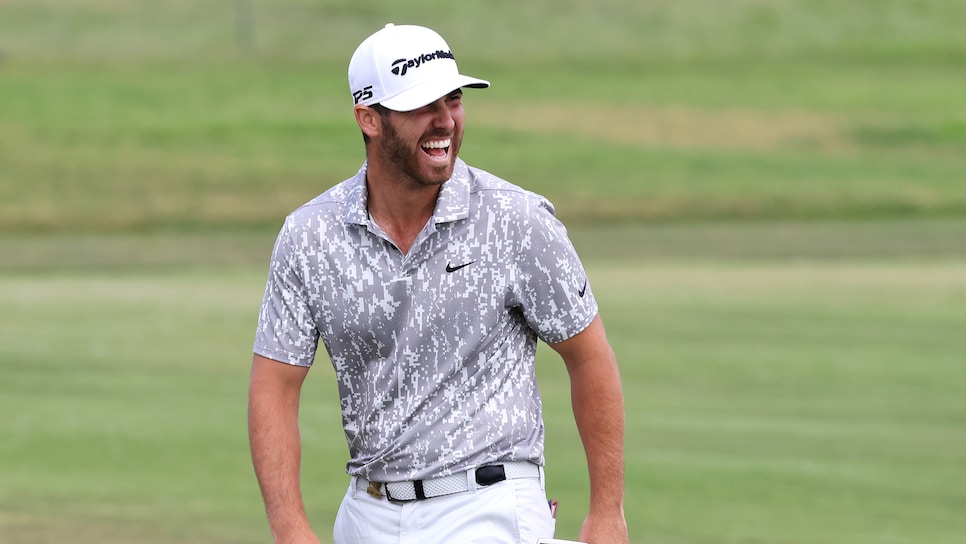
<point x="598" y="404"/>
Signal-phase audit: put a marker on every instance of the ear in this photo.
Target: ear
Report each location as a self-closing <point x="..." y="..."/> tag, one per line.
<point x="368" y="120"/>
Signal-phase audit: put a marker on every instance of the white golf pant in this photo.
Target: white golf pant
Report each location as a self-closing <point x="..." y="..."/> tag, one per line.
<point x="507" y="512"/>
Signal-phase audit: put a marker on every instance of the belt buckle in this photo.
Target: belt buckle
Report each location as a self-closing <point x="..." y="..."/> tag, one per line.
<point x="374" y="490"/>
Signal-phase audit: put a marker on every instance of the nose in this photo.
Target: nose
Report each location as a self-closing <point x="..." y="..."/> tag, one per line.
<point x="442" y="116"/>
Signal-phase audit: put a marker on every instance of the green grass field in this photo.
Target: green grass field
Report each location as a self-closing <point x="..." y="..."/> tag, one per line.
<point x="770" y="198"/>
<point x="768" y="400"/>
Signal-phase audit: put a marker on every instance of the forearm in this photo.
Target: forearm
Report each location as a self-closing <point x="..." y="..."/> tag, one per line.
<point x="276" y="456"/>
<point x="598" y="406"/>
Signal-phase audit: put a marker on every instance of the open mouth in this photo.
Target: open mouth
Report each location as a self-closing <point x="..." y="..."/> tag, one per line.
<point x="437" y="149"/>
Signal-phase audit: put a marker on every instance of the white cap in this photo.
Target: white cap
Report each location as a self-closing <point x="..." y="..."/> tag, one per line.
<point x="404" y="68"/>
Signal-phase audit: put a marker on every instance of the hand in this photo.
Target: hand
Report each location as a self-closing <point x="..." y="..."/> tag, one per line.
<point x="604" y="529"/>
<point x="307" y="537"/>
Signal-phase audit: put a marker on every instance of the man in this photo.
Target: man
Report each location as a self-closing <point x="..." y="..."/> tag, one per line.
<point x="429" y="283"/>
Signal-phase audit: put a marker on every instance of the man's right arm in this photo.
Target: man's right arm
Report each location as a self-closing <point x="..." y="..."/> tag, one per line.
<point x="273" y="432"/>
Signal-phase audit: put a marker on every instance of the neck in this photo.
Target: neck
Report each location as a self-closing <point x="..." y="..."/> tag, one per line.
<point x="400" y="206"/>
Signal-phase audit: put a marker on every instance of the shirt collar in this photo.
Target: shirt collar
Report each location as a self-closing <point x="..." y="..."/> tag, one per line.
<point x="453" y="202"/>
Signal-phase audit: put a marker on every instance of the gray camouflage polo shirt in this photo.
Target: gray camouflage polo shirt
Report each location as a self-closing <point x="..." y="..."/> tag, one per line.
<point x="433" y="350"/>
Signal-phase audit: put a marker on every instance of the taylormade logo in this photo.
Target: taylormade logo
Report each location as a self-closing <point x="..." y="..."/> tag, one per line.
<point x="401" y="66"/>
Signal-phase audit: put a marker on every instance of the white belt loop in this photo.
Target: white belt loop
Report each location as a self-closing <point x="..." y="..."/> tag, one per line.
<point x="471" y="485"/>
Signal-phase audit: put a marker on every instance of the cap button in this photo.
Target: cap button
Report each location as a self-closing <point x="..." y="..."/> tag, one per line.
<point x="390" y="25"/>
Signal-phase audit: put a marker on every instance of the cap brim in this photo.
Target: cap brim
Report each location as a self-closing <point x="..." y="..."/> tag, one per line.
<point x="431" y="91"/>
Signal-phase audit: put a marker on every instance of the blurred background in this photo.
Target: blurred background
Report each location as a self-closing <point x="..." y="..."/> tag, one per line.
<point x="770" y="198"/>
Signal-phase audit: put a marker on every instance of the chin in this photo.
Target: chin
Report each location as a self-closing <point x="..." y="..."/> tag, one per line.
<point x="439" y="174"/>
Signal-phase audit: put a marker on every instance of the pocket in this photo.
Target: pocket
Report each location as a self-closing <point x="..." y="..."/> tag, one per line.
<point x="363" y="519"/>
<point x="534" y="520"/>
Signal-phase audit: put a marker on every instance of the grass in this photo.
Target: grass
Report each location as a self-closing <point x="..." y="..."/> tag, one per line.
<point x="768" y="400"/>
<point x="790" y="402"/>
<point x="620" y="111"/>
<point x="135" y="431"/>
<point x="142" y="146"/>
<point x="769" y="197"/>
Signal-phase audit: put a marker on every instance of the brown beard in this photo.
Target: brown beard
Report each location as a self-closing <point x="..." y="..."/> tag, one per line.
<point x="407" y="163"/>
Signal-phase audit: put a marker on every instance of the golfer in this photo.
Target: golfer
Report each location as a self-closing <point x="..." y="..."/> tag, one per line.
<point x="429" y="282"/>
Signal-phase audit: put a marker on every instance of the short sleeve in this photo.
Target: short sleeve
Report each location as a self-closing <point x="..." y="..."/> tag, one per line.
<point x="286" y="331"/>
<point x="552" y="289"/>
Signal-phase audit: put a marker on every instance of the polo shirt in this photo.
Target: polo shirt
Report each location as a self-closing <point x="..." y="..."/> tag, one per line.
<point x="433" y="350"/>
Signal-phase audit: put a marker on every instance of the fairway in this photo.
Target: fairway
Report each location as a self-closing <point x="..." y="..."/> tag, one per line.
<point x="763" y="395"/>
<point x="770" y="199"/>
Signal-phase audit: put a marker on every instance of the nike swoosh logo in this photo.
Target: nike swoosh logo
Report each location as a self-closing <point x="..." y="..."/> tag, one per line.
<point x="451" y="268"/>
<point x="583" y="290"/>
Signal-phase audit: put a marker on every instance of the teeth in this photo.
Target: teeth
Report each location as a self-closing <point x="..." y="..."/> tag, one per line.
<point x="438" y="144"/>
